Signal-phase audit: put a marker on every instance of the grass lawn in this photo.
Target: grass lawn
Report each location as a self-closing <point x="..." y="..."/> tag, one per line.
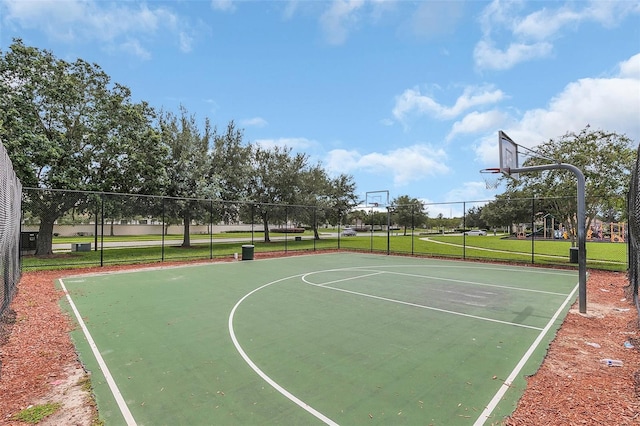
<point x="610" y="256"/>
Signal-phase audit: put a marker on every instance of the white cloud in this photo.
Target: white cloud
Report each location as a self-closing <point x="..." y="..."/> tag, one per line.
<point x="254" y="122"/>
<point x="544" y="23"/>
<point x="487" y="56"/>
<point x="413" y="102"/>
<point x="611" y="104"/>
<point x="530" y="37"/>
<point x="134" y="48"/>
<point x="630" y="68"/>
<point x="223" y="5"/>
<point x="117" y="24"/>
<point x="404" y="165"/>
<point x="295" y="144"/>
<point x="339" y="19"/>
<point x="607" y="103"/>
<point x="476" y="122"/>
<point x="186" y="42"/>
<point x="469" y="191"/>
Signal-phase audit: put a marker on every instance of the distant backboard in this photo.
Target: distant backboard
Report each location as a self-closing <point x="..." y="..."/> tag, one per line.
<point x="377" y="199"/>
<point x="508" y="155"/>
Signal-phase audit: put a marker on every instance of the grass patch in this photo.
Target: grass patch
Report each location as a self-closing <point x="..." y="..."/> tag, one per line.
<point x="600" y="255"/>
<point x="36" y="413"/>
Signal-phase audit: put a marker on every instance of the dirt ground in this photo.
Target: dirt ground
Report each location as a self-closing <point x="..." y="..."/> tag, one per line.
<point x="38" y="362"/>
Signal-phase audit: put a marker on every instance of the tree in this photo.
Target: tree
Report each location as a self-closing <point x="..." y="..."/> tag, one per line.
<point x="605" y="158"/>
<point x="507" y="209"/>
<point x="473" y="218"/>
<point x="66" y="127"/>
<point x="408" y="212"/>
<point x="231" y="168"/>
<point x="190" y="181"/>
<point x="323" y="198"/>
<point x="341" y="197"/>
<point x="275" y="181"/>
<point x="356" y="218"/>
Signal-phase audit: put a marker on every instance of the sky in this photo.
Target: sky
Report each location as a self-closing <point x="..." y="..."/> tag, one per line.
<point x="406" y="96"/>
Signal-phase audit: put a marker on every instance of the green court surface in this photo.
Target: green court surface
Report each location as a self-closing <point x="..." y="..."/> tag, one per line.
<point x="338" y="338"/>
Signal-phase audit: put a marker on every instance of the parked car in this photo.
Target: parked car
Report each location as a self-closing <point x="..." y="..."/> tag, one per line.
<point x="476" y="232"/>
<point x="348" y="232"/>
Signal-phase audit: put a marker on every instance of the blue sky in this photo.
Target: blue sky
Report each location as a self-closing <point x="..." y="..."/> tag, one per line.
<point x="406" y="96"/>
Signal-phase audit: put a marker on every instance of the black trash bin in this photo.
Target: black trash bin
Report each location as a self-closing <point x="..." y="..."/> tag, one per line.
<point x="247" y="252"/>
<point x="573" y="254"/>
<point x="28" y="241"/>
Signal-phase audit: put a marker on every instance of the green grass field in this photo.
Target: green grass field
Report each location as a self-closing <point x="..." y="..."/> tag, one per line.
<point x="600" y="255"/>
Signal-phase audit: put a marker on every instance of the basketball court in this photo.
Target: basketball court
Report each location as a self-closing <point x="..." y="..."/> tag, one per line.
<point x="338" y="338"/>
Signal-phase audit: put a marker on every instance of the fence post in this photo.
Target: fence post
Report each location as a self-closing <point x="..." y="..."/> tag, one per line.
<point x="163" y="230"/>
<point x="533" y="228"/>
<point x="101" y="230"/>
<point x="413" y="227"/>
<point x="464" y="228"/>
<point x="211" y="229"/>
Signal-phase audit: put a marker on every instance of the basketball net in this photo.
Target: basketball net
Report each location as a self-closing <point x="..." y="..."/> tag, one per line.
<point x="491" y="177"/>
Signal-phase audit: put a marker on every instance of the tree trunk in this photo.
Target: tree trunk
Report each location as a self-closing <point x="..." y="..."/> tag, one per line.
<point x="265" y="223"/>
<point x="186" y="242"/>
<point x="316" y="235"/>
<point x="44" y="242"/>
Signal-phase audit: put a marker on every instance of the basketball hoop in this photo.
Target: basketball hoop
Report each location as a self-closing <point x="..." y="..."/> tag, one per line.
<point x="491" y="177"/>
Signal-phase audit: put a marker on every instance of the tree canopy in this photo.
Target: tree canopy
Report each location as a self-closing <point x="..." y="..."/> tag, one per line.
<point x="408" y="212"/>
<point x="605" y="158"/>
<point x="69" y="130"/>
<point x="65" y="126"/>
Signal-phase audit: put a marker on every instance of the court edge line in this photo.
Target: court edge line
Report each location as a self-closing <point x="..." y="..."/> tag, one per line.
<point x="415" y="305"/>
<point x="261" y="373"/>
<point x="124" y="409"/>
<point x="484" y="416"/>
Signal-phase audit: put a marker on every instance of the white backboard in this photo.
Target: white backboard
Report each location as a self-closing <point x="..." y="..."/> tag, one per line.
<point x="508" y="155"/>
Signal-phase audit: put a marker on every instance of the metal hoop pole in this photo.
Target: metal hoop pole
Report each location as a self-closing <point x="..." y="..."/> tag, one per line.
<point x="581" y="213"/>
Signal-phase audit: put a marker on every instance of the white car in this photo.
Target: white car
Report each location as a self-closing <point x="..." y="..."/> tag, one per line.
<point x="476" y="232"/>
<point x="348" y="232"/>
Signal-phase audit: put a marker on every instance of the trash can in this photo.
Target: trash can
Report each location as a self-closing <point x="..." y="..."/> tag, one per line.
<point x="247" y="252"/>
<point x="573" y="254"/>
<point x="28" y="241"/>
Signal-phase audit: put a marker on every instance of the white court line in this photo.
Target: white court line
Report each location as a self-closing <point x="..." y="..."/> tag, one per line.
<point x="349" y="279"/>
<point x="124" y="409"/>
<point x="478" y="283"/>
<point x="415" y="305"/>
<point x="507" y="383"/>
<point x="261" y="373"/>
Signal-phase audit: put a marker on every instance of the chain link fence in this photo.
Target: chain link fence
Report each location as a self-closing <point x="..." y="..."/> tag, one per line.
<point x="73" y="228"/>
<point x="10" y="208"/>
<point x="633" y="203"/>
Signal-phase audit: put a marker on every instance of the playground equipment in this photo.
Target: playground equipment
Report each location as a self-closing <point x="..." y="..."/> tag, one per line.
<point x="617" y="232"/>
